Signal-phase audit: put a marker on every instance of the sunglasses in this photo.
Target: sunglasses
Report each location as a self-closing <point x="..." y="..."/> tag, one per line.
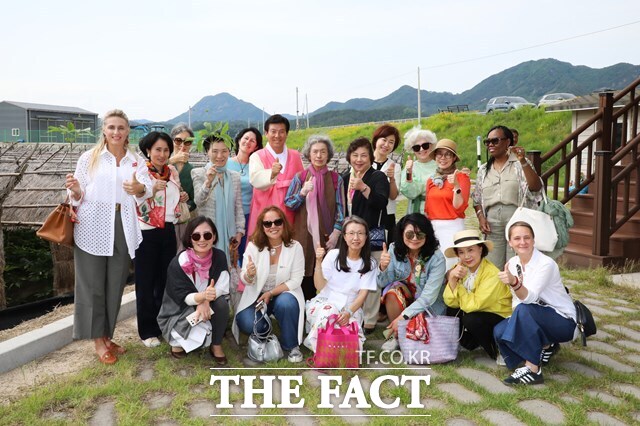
<point x="207" y="236"/>
<point x="493" y="141"/>
<point x="270" y="223"/>
<point x="413" y="235"/>
<point x="181" y="141"/>
<point x="417" y="148"/>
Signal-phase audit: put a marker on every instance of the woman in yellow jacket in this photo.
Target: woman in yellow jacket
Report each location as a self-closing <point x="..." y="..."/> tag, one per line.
<point x="475" y="293"/>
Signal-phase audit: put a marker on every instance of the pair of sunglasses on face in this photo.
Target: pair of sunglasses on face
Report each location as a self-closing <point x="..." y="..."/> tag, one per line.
<point x="206" y="236"/>
<point x="270" y="223"/>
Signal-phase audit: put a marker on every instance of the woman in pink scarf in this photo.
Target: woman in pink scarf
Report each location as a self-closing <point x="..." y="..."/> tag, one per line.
<point x="317" y="197"/>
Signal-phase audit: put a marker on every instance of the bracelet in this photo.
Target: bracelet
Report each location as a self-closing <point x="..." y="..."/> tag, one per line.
<point x="525" y="164"/>
<point x="141" y="193"/>
<point x="516" y="283"/>
<point x="516" y="288"/>
<point x="348" y="311"/>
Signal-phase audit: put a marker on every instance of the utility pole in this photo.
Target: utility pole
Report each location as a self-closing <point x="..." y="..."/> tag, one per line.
<point x="189" y="116"/>
<point x="306" y="104"/>
<point x="297" y="111"/>
<point x="262" y="124"/>
<point x="419" y="108"/>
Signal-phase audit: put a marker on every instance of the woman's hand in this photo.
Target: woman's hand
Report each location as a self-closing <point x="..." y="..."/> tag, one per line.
<point x="332" y="242"/>
<point x="506" y="276"/>
<point x="484" y="224"/>
<point x="159" y="185"/>
<point x="265" y="297"/>
<point x="391" y="171"/>
<point x="211" y="173"/>
<point x="209" y="293"/>
<point x="519" y="152"/>
<point x="179" y="157"/>
<point x="184" y="197"/>
<point x="453" y="178"/>
<point x="394" y="325"/>
<point x="343" y="318"/>
<point x="320" y="252"/>
<point x="356" y="183"/>
<point x="133" y="187"/>
<point x="250" y="271"/>
<point x="307" y="187"/>
<point x="458" y="273"/>
<point x="72" y="184"/>
<point x="409" y="164"/>
<point x="203" y="311"/>
<point x="385" y="258"/>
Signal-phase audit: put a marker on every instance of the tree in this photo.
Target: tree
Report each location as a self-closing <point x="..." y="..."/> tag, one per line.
<point x="217" y="130"/>
<point x="69" y="133"/>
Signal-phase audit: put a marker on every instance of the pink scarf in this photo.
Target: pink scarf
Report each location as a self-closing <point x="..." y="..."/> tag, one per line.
<point x="199" y="265"/>
<point x="315" y="204"/>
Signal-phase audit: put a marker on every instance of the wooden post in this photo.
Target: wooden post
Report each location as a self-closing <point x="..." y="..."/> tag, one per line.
<point x="535" y="158"/>
<point x="604" y="126"/>
<point x="602" y="215"/>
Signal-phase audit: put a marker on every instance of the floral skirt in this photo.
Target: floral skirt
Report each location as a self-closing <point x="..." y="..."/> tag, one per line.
<point x="319" y="309"/>
<point x="404" y="293"/>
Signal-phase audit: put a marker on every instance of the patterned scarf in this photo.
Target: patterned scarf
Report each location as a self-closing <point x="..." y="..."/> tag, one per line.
<point x="441" y="175"/>
<point x="163" y="174"/>
<point x="317" y="206"/>
<point x="199" y="265"/>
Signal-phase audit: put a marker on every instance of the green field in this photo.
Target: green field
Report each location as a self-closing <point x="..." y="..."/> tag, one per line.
<point x="538" y="130"/>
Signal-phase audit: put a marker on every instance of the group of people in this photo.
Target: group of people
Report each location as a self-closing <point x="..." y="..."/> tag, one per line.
<point x="303" y="244"/>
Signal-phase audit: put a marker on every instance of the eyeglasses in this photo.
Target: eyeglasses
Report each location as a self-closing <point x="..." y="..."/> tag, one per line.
<point x="413" y="235"/>
<point x="493" y="141"/>
<point x="445" y="154"/>
<point x="352" y="234"/>
<point x="417" y="148"/>
<point x="207" y="236"/>
<point x="180" y="141"/>
<point x="270" y="223"/>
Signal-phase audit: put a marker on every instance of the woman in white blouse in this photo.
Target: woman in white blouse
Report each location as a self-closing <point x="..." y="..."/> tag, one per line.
<point x="543" y="314"/>
<point x="108" y="182"/>
<point x="272" y="272"/>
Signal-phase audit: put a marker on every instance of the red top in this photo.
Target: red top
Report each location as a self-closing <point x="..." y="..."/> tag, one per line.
<point x="439" y="203"/>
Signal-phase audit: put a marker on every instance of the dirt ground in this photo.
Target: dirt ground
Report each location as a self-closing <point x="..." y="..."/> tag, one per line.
<point x="63" y="362"/>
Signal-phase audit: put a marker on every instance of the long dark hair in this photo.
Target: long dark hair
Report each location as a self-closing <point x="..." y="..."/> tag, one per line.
<point x="343" y="249"/>
<point x="507" y="134"/>
<point x="241" y="134"/>
<point x="420" y="221"/>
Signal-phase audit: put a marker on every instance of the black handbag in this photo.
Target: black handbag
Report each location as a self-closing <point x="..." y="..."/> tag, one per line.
<point x="584" y="320"/>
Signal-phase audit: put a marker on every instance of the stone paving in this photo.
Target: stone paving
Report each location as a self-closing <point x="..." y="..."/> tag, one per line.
<point x="605" y="367"/>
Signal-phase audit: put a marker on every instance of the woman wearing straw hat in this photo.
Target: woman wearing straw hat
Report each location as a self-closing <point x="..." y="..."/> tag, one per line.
<point x="447" y="195"/>
<point x="474" y="292"/>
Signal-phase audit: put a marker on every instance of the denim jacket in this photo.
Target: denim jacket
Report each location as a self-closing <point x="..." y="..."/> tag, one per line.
<point x="428" y="290"/>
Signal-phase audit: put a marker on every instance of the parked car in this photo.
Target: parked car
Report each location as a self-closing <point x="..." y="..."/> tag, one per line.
<point x="555" y="98"/>
<point x="506" y="103"/>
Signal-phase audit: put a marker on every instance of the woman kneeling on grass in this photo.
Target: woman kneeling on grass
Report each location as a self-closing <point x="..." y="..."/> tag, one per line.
<point x="474" y="292"/>
<point x="543" y="314"/>
<point x="343" y="279"/>
<point x="197" y="280"/>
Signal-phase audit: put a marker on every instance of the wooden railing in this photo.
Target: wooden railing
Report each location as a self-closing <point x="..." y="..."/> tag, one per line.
<point x="601" y="172"/>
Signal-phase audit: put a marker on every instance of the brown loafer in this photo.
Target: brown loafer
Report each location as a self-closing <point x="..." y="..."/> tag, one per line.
<point x="177" y="354"/>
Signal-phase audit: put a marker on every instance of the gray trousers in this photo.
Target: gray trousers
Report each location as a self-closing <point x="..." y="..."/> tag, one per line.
<point x="100" y="281"/>
<point x="498" y="216"/>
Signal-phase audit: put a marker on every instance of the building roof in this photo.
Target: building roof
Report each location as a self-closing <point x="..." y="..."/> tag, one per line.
<point x="586" y="102"/>
<point x="52" y="108"/>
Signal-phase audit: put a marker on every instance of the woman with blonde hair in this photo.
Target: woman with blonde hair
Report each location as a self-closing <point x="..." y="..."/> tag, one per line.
<point x="108" y="183"/>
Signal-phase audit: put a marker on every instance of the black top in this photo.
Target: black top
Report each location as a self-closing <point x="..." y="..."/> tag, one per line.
<point x="374" y="209"/>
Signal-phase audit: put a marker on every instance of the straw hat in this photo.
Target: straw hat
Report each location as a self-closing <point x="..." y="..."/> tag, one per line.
<point x="447" y="144"/>
<point x="467" y="238"/>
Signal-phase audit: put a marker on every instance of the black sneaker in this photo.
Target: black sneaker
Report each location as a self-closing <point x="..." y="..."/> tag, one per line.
<point x="524" y="376"/>
<point x="546" y="354"/>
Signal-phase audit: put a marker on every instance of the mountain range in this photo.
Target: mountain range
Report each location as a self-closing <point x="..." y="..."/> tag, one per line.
<point x="531" y="80"/>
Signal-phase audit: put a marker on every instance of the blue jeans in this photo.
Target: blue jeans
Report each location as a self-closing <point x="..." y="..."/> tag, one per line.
<point x="286" y="310"/>
<point x="522" y="336"/>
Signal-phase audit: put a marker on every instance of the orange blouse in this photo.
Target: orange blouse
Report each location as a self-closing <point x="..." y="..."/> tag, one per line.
<point x="439" y="203"/>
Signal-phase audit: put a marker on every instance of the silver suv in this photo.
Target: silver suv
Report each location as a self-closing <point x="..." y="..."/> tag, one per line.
<point x="506" y="103"/>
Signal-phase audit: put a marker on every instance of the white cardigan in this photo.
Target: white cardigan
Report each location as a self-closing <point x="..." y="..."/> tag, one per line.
<point x="290" y="271"/>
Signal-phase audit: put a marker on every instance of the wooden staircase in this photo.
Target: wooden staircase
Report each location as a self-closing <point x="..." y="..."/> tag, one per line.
<point x="607" y="218"/>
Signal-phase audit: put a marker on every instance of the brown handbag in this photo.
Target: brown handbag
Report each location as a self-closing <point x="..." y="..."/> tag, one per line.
<point x="58" y="227"/>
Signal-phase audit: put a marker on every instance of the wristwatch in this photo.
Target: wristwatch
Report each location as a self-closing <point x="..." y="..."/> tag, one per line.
<point x="457" y="191"/>
<point x="405" y="316"/>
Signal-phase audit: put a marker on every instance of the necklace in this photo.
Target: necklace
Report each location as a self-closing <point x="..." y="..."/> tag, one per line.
<point x="272" y="250"/>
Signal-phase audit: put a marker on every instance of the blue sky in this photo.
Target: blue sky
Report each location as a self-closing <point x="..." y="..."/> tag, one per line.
<point x="155" y="58"/>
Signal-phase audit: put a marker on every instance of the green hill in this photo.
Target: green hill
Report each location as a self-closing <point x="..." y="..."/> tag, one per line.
<point x="538" y="130"/>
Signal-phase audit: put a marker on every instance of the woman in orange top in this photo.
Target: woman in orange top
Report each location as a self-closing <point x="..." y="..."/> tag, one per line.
<point x="447" y="195"/>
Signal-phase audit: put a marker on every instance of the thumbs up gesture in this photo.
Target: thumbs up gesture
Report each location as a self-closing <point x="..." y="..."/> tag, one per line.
<point x="409" y="164"/>
<point x="132" y="187"/>
<point x="506" y="276"/>
<point x="250" y="270"/>
<point x="307" y="187"/>
<point x="210" y="291"/>
<point x="320" y="252"/>
<point x="391" y="170"/>
<point x="385" y="258"/>
<point x="275" y="168"/>
<point x="453" y="177"/>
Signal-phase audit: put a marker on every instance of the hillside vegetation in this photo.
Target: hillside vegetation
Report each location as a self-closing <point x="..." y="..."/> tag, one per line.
<point x="538" y="130"/>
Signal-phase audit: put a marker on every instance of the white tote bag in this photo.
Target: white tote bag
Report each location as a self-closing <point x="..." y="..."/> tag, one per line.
<point x="544" y="229"/>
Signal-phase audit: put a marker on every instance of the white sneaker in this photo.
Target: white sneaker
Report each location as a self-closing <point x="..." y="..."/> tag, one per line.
<point x="500" y="360"/>
<point x="295" y="356"/>
<point x="151" y="342"/>
<point x="390" y="345"/>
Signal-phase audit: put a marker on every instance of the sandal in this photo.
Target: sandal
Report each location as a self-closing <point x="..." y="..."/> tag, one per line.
<point x="108" y="358"/>
<point x="114" y="347"/>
